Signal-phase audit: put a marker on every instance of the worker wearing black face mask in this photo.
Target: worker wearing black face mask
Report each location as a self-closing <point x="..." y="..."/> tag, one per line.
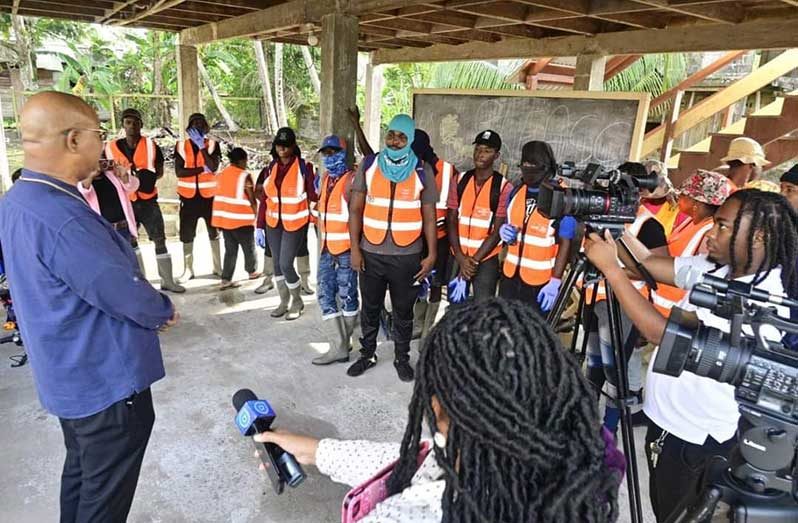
<point x="538" y="247"/>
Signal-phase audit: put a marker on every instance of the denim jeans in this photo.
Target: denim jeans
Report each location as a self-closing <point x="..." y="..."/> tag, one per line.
<point x="337" y="285"/>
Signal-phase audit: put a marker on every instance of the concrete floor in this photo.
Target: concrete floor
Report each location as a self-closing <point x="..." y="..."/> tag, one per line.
<point x="198" y="468"/>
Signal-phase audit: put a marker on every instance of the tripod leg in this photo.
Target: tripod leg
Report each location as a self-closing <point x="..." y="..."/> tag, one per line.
<point x="627" y="431"/>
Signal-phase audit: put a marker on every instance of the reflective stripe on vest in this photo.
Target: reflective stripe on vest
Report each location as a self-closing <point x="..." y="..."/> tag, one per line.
<point x="443" y="180"/>
<point x="401" y="214"/>
<point x="143" y="159"/>
<point x="204" y="182"/>
<point x="533" y="255"/>
<point x="685" y="241"/>
<point x="643" y="215"/>
<point x="231" y="207"/>
<point x="289" y="205"/>
<point x="334" y="216"/>
<point x="475" y="217"/>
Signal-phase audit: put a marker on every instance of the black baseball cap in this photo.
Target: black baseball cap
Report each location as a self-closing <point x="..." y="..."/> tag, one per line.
<point x="489" y="138"/>
<point x="131" y="113"/>
<point x="285" y="136"/>
<point x="791" y="176"/>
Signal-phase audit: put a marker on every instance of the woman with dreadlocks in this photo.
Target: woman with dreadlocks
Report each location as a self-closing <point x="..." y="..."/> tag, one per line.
<point x="754" y="239"/>
<point x="515" y="424"/>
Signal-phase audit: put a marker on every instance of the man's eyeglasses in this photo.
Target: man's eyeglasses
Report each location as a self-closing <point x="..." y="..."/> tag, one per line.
<point x="102" y="133"/>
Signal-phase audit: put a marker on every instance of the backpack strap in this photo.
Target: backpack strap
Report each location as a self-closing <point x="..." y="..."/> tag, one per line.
<point x="496" y="186"/>
<point x="462" y="183"/>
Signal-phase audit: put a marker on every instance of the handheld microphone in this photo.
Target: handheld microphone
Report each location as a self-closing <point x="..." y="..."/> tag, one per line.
<point x="255" y="416"/>
<point x="688" y="277"/>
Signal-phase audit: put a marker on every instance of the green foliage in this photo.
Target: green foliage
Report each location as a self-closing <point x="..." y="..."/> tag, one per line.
<point x="654" y="74"/>
<point x="400" y="80"/>
<point x="474" y="75"/>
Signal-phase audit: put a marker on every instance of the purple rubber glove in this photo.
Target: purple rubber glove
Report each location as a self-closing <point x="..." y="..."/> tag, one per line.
<point x="197" y="136"/>
<point x="260" y="238"/>
<point x="508" y="233"/>
<point x="548" y="294"/>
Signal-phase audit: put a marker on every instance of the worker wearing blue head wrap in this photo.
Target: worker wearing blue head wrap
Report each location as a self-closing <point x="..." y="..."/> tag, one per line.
<point x="391" y="217"/>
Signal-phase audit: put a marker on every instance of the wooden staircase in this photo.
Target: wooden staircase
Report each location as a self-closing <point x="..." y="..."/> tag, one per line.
<point x="775" y="126"/>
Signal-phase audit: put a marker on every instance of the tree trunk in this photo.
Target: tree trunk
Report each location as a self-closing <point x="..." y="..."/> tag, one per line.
<point x="27" y="64"/>
<point x="217" y="100"/>
<point x="162" y="117"/>
<point x="314" y="75"/>
<point x="279" y="97"/>
<point x="266" y="85"/>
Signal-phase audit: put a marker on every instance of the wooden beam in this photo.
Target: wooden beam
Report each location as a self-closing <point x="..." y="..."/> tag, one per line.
<point x="618" y="63"/>
<point x="779" y="66"/>
<point x="766" y="33"/>
<point x="698" y="76"/>
<point x="14" y="10"/>
<point x="287" y="14"/>
<point x="589" y="72"/>
<point x="728" y="13"/>
<point x="111" y="12"/>
<point x="673" y="115"/>
<point x="160" y="5"/>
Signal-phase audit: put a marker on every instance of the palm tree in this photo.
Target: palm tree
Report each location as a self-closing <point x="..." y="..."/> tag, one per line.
<point x="652" y="73"/>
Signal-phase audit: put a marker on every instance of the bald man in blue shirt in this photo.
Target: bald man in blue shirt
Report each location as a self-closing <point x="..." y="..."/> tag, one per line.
<point x="89" y="318"/>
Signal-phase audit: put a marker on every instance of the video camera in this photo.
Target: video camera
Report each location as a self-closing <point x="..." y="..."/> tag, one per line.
<point x="601" y="199"/>
<point x="765" y="376"/>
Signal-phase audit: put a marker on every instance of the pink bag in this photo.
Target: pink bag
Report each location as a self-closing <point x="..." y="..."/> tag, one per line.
<point x="362" y="499"/>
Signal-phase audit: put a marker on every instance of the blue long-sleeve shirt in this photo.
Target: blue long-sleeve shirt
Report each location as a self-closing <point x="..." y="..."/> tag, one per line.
<point x="88" y="317"/>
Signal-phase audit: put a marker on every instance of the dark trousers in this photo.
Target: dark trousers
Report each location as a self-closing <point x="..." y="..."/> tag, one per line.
<point x="285" y="248"/>
<point x="103" y="460"/>
<point x="483" y="284"/>
<point x="515" y="289"/>
<point x="148" y="213"/>
<point x="191" y="210"/>
<point x="303" y="246"/>
<point x="243" y="237"/>
<point x="679" y="473"/>
<point x="394" y="274"/>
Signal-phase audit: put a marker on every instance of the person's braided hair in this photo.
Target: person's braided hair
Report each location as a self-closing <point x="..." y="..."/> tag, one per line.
<point x="773" y="216"/>
<point x="523" y="441"/>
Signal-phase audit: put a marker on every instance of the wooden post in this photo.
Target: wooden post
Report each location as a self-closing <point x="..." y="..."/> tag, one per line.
<point x="372" y="110"/>
<point x="339" y="39"/>
<point x="673" y="115"/>
<point x="5" y="174"/>
<point x="188" y="87"/>
<point x="589" y="72"/>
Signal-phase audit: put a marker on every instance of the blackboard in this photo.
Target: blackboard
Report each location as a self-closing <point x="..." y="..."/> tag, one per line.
<point x="581" y="126"/>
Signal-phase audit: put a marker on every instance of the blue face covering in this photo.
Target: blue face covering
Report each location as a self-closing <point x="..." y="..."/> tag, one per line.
<point x="398" y="164"/>
<point x="335" y="163"/>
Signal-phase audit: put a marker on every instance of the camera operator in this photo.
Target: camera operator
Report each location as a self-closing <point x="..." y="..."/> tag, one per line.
<point x="754" y="239"/>
<point x="600" y="357"/>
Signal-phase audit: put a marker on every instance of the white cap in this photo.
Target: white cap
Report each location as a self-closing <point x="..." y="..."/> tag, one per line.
<point x="747" y="151"/>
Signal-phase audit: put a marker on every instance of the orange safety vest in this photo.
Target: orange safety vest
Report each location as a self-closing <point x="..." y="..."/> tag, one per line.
<point x="289" y="204"/>
<point x="391" y="206"/>
<point x="143" y="159"/>
<point x="231" y="207"/>
<point x="204" y="182"/>
<point x="535" y="252"/>
<point x="643" y="215"/>
<point x="476" y="217"/>
<point x="684" y="241"/>
<point x="334" y="216"/>
<point x="443" y="180"/>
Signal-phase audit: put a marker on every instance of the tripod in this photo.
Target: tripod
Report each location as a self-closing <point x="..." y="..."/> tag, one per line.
<point x="623" y="400"/>
<point x="760" y="485"/>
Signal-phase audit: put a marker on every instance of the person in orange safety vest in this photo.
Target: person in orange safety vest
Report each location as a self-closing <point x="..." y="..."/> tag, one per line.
<point x="234" y="209"/>
<point x="197" y="159"/>
<point x="538" y="247"/>
<point x="143" y="159"/>
<point x="391" y="215"/>
<point x="337" y="281"/>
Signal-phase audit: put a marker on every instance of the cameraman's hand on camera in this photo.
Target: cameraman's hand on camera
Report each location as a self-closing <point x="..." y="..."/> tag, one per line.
<point x="508" y="234"/>
<point x="602" y="251"/>
<point x="302" y="447"/>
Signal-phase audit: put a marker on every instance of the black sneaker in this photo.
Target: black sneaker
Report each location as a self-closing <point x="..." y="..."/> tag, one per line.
<point x="404" y="370"/>
<point x="362" y="364"/>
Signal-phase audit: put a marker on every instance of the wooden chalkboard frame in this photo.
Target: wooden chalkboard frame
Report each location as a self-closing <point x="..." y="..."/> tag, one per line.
<point x="643" y="100"/>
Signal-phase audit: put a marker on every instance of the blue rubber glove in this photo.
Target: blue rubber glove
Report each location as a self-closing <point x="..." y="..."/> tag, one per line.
<point x="458" y="290"/>
<point x="508" y="233"/>
<point x="197" y="136"/>
<point x="548" y="294"/>
<point x="207" y="170"/>
<point x="260" y="238"/>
